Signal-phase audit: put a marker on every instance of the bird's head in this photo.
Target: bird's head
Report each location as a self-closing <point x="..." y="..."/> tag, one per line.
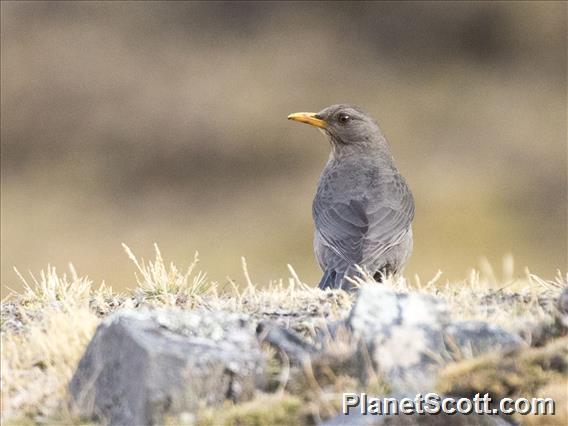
<point x="346" y="126"/>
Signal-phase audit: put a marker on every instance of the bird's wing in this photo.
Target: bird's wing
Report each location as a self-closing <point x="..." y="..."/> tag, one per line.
<point x="390" y="214"/>
<point x="342" y="226"/>
<point x="365" y="226"/>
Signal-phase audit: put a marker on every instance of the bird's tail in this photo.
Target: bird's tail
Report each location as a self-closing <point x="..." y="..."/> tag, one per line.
<point x="334" y="280"/>
<point x="329" y="280"/>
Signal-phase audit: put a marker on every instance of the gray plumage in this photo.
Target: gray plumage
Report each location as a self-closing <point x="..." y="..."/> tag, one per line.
<point x="363" y="207"/>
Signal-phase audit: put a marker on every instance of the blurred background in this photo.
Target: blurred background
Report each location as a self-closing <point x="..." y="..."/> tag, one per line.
<point x="143" y="122"/>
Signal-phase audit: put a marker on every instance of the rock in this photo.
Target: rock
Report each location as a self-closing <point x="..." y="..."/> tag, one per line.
<point x="469" y="339"/>
<point x="141" y="365"/>
<point x="379" y="308"/>
<point x="408" y="357"/>
<point x="403" y="334"/>
<point x="296" y="349"/>
<point x="369" y="410"/>
<point x="358" y="419"/>
<point x="354" y="418"/>
<point x="410" y="337"/>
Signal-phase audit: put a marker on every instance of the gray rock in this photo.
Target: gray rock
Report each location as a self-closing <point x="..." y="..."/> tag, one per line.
<point x="357" y="419"/>
<point x="379" y="308"/>
<point x="354" y="418"/>
<point x="409" y="357"/>
<point x="141" y="365"/>
<point x="410" y="337"/>
<point x="296" y="349"/>
<point x="468" y="339"/>
<point x="367" y="415"/>
<point x="403" y="334"/>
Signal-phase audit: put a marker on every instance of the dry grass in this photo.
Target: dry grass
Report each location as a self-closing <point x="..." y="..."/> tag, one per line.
<point x="483" y="296"/>
<point x="38" y="359"/>
<point x="166" y="284"/>
<point x="46" y="327"/>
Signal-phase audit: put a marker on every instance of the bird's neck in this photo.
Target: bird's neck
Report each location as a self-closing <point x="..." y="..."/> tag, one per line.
<point x="377" y="149"/>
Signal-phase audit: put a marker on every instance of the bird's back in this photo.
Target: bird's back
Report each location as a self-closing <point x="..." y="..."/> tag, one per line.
<point x="362" y="210"/>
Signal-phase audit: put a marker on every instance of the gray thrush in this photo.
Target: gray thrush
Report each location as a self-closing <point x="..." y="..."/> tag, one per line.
<point x="363" y="207"/>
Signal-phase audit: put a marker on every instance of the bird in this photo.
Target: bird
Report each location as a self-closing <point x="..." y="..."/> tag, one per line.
<point x="363" y="207"/>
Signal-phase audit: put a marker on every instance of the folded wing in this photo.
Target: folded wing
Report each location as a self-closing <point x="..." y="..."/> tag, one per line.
<point x="361" y="229"/>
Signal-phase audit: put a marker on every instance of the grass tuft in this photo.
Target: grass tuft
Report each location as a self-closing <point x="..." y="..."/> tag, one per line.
<point x="168" y="284"/>
<point x="52" y="288"/>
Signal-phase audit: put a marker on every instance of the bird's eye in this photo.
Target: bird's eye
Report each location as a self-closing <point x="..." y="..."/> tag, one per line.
<point x="343" y="118"/>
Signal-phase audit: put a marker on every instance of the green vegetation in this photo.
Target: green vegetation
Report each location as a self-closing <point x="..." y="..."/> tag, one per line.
<point x="274" y="409"/>
<point x="518" y="374"/>
<point x="536" y="372"/>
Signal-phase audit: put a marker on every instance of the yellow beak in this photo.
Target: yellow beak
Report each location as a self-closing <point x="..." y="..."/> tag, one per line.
<point x="308" y="118"/>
